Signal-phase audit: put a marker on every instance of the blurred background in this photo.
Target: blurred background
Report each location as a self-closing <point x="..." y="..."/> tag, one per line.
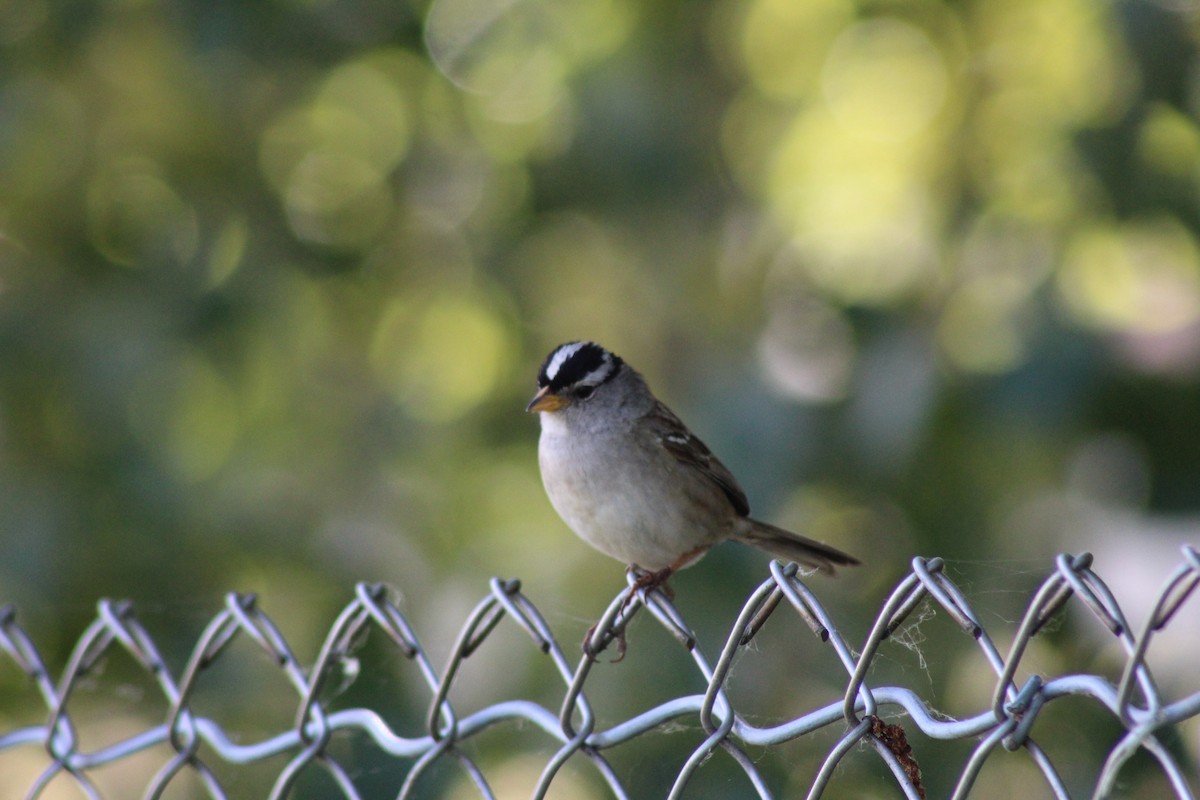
<point x="276" y="277"/>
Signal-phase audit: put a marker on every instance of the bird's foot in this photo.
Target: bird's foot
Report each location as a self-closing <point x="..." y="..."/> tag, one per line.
<point x="592" y="649"/>
<point x="647" y="582"/>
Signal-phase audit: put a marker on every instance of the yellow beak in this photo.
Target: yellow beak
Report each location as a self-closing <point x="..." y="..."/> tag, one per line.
<point x="544" y="401"/>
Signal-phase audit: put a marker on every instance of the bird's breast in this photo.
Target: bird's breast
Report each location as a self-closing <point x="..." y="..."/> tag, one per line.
<point x="622" y="501"/>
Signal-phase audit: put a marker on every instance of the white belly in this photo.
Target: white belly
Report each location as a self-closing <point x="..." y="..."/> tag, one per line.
<point x="638" y="516"/>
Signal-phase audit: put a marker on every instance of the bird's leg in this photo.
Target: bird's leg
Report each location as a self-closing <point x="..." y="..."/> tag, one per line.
<point x="646" y="581"/>
<point x="591" y="654"/>
<point x="643" y="582"/>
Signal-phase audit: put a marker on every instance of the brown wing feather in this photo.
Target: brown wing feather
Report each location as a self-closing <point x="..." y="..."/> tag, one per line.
<point x="692" y="452"/>
<point x="689" y="450"/>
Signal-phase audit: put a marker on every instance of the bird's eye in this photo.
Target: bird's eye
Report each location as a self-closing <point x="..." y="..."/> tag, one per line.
<point x="584" y="392"/>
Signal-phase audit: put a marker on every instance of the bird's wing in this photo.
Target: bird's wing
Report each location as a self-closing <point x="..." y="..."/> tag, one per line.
<point x="691" y="452"/>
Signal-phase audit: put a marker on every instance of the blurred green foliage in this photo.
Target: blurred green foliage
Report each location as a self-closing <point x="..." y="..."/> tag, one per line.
<point x="275" y="279"/>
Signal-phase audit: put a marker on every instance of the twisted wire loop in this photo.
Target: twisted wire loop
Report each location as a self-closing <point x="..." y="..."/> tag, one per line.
<point x="1133" y="699"/>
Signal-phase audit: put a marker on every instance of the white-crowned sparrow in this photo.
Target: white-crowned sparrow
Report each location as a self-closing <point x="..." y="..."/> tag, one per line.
<point x="632" y="481"/>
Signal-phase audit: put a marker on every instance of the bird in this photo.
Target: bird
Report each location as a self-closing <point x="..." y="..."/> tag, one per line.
<point x="630" y="479"/>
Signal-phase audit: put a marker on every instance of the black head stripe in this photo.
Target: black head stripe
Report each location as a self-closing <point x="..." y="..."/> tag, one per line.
<point x="572" y="362"/>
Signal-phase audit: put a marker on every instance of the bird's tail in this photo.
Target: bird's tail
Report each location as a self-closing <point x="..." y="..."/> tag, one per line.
<point x="794" y="547"/>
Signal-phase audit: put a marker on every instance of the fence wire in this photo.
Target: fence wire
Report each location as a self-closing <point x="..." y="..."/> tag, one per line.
<point x="858" y="718"/>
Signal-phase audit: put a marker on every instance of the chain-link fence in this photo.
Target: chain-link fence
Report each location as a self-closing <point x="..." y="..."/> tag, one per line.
<point x="865" y="719"/>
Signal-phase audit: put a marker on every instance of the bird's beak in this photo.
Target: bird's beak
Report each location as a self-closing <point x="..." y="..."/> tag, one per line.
<point x="545" y="401"/>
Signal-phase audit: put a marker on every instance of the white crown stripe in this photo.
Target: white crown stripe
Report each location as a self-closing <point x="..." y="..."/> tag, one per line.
<point x="600" y="373"/>
<point x="560" y="357"/>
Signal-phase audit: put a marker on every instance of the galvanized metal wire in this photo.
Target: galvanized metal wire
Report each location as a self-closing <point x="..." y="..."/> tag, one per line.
<point x="1132" y="697"/>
